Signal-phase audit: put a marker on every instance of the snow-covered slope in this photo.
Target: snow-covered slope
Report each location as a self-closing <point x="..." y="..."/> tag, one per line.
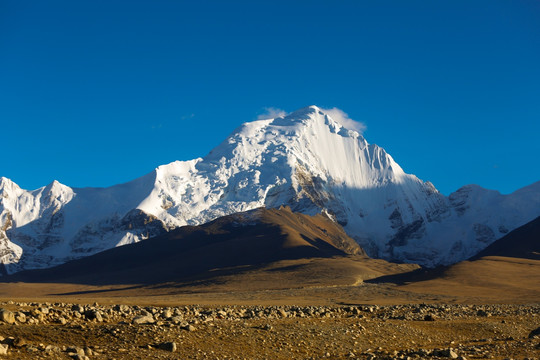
<point x="305" y="160"/>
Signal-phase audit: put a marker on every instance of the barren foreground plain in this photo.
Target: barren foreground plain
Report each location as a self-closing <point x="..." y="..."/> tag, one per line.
<point x="313" y="295"/>
<point x="231" y="317"/>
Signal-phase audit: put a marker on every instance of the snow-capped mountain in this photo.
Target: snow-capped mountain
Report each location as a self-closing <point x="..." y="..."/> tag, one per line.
<point x="305" y="160"/>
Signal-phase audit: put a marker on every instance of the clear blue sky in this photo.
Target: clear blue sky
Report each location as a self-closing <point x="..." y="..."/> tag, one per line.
<point x="94" y="93"/>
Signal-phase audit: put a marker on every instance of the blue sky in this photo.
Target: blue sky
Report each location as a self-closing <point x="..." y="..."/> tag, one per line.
<point x="94" y="93"/>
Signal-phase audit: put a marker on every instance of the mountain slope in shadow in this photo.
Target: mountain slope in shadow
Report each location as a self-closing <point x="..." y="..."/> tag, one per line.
<point x="507" y="270"/>
<point x="523" y="242"/>
<point x="232" y="244"/>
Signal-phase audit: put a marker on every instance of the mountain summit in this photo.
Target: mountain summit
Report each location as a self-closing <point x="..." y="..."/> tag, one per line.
<point x="305" y="160"/>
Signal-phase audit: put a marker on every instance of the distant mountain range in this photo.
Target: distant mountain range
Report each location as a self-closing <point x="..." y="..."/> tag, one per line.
<point x="305" y="160"/>
<point x="523" y="242"/>
<point x="505" y="271"/>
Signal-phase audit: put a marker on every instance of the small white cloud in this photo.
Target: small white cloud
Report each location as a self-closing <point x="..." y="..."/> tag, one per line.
<point x="271" y="113"/>
<point x="344" y="120"/>
<point x="188" y="116"/>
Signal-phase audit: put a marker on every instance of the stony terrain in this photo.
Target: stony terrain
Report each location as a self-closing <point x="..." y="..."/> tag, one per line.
<point x="295" y="289"/>
<point x="437" y="331"/>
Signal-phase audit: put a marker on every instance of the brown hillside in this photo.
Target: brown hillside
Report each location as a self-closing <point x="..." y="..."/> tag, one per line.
<point x="523" y="242"/>
<point x="507" y="270"/>
<point x="257" y="249"/>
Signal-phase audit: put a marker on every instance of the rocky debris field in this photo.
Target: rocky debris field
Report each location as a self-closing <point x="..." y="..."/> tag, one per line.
<point x="84" y="331"/>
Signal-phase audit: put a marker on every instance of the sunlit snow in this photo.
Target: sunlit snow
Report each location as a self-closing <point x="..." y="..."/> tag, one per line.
<point x="305" y="160"/>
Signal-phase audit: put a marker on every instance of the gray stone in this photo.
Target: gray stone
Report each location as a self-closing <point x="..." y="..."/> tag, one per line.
<point x="44" y="310"/>
<point x="73" y="350"/>
<point x="534" y="333"/>
<point x="449" y="353"/>
<point x="483" y="313"/>
<point x="93" y="315"/>
<point x="52" y="349"/>
<point x="19" y="342"/>
<point x="121" y="308"/>
<point x="177" y="319"/>
<point x="4" y="349"/>
<point x="79" y="357"/>
<point x="20" y="317"/>
<point x="188" y="327"/>
<point x="7" y="316"/>
<point x="168" y="346"/>
<point x="144" y="319"/>
<point x="77" y="308"/>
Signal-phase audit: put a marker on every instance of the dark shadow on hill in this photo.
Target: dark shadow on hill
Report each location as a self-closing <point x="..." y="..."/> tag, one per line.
<point x="96" y="291"/>
<point x="523" y="242"/>
<point x="188" y="254"/>
<point x="421" y="274"/>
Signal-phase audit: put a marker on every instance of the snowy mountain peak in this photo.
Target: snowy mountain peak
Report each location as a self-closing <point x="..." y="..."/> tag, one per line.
<point x="306" y="160"/>
<point x="6" y="185"/>
<point x="55" y="186"/>
<point x="57" y="193"/>
<point x="311" y="115"/>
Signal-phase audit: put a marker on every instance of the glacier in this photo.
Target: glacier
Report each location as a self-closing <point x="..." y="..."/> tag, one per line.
<point x="305" y="160"/>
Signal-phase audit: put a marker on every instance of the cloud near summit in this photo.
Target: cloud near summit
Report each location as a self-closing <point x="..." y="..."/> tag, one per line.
<point x="271" y="113"/>
<point x="335" y="113"/>
<point x="343" y="118"/>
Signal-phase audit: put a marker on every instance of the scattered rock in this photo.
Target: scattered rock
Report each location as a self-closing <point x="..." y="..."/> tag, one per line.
<point x="80" y="357"/>
<point x="93" y="315"/>
<point x="167" y="313"/>
<point x="144" y="319"/>
<point x="19" y="342"/>
<point x="114" y="322"/>
<point x="7" y="316"/>
<point x="121" y="308"/>
<point x="188" y="327"/>
<point x="77" y="308"/>
<point x="449" y="353"/>
<point x="177" y="319"/>
<point x="534" y="333"/>
<point x="49" y="349"/>
<point x="73" y="350"/>
<point x="483" y="313"/>
<point x="168" y="346"/>
<point x="20" y="317"/>
<point x="44" y="310"/>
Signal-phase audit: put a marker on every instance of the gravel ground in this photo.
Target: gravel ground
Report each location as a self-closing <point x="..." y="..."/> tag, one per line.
<point x="419" y="331"/>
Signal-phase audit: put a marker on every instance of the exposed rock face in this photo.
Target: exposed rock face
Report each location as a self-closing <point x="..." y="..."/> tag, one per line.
<point x="305" y="160"/>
